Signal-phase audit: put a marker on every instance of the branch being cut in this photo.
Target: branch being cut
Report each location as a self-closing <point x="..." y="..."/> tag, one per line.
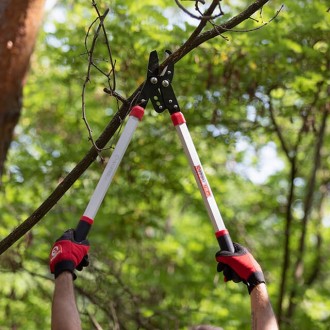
<point x="200" y="38"/>
<point x="114" y="124"/>
<point x="252" y="29"/>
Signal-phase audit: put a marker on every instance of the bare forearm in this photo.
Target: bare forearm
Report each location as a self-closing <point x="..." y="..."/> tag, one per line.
<point x="263" y="317"/>
<point x="65" y="315"/>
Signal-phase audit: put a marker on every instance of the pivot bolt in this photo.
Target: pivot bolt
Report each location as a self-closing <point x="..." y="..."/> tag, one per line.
<point x="165" y="83"/>
<point x="154" y="80"/>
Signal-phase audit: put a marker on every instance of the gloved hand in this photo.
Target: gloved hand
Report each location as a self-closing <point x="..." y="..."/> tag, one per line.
<point x="68" y="255"/>
<point x="240" y="266"/>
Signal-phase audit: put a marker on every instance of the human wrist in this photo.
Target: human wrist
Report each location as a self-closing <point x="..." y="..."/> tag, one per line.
<point x="253" y="289"/>
<point x="64" y="275"/>
<point x="65" y="266"/>
<point x="254" y="280"/>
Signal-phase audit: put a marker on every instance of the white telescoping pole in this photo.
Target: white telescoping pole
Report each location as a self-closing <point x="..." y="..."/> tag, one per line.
<point x="93" y="206"/>
<point x="213" y="211"/>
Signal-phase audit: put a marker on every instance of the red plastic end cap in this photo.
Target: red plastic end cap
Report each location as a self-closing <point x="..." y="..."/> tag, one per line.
<point x="87" y="219"/>
<point x="137" y="112"/>
<point x="177" y="118"/>
<point x="221" y="233"/>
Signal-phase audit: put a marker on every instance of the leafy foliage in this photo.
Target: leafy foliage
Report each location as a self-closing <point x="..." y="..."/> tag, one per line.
<point x="254" y="104"/>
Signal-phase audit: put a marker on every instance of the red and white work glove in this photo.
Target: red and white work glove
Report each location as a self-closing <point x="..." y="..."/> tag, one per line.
<point x="240" y="266"/>
<point x="68" y="255"/>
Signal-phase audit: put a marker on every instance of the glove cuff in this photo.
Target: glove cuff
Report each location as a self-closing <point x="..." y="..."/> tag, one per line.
<point x="255" y="279"/>
<point x="65" y="265"/>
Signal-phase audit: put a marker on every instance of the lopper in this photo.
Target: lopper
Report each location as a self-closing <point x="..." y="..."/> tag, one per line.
<point x="158" y="89"/>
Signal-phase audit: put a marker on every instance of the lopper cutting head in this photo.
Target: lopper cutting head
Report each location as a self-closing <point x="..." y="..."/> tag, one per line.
<point x="158" y="88"/>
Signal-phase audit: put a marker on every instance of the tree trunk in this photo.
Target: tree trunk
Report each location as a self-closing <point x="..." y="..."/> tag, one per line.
<point x="19" y="23"/>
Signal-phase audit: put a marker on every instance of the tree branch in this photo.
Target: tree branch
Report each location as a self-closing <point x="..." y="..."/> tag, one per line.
<point x="308" y="202"/>
<point x="287" y="240"/>
<point x="68" y="181"/>
<point x="112" y="127"/>
<point x="208" y="35"/>
<point x="203" y="22"/>
<point x="279" y="132"/>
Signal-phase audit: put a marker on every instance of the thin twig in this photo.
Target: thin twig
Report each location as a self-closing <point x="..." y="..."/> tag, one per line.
<point x="96" y="325"/>
<point x="203" y="22"/>
<point x="92" y="63"/>
<point x="202" y="16"/>
<point x="249" y="30"/>
<point x="90" y="53"/>
<point x="116" y="325"/>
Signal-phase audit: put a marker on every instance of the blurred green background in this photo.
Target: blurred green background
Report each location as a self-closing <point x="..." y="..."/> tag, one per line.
<point x="257" y="106"/>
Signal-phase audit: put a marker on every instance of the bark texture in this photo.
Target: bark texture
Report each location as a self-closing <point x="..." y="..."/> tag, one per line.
<point x="19" y="23"/>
